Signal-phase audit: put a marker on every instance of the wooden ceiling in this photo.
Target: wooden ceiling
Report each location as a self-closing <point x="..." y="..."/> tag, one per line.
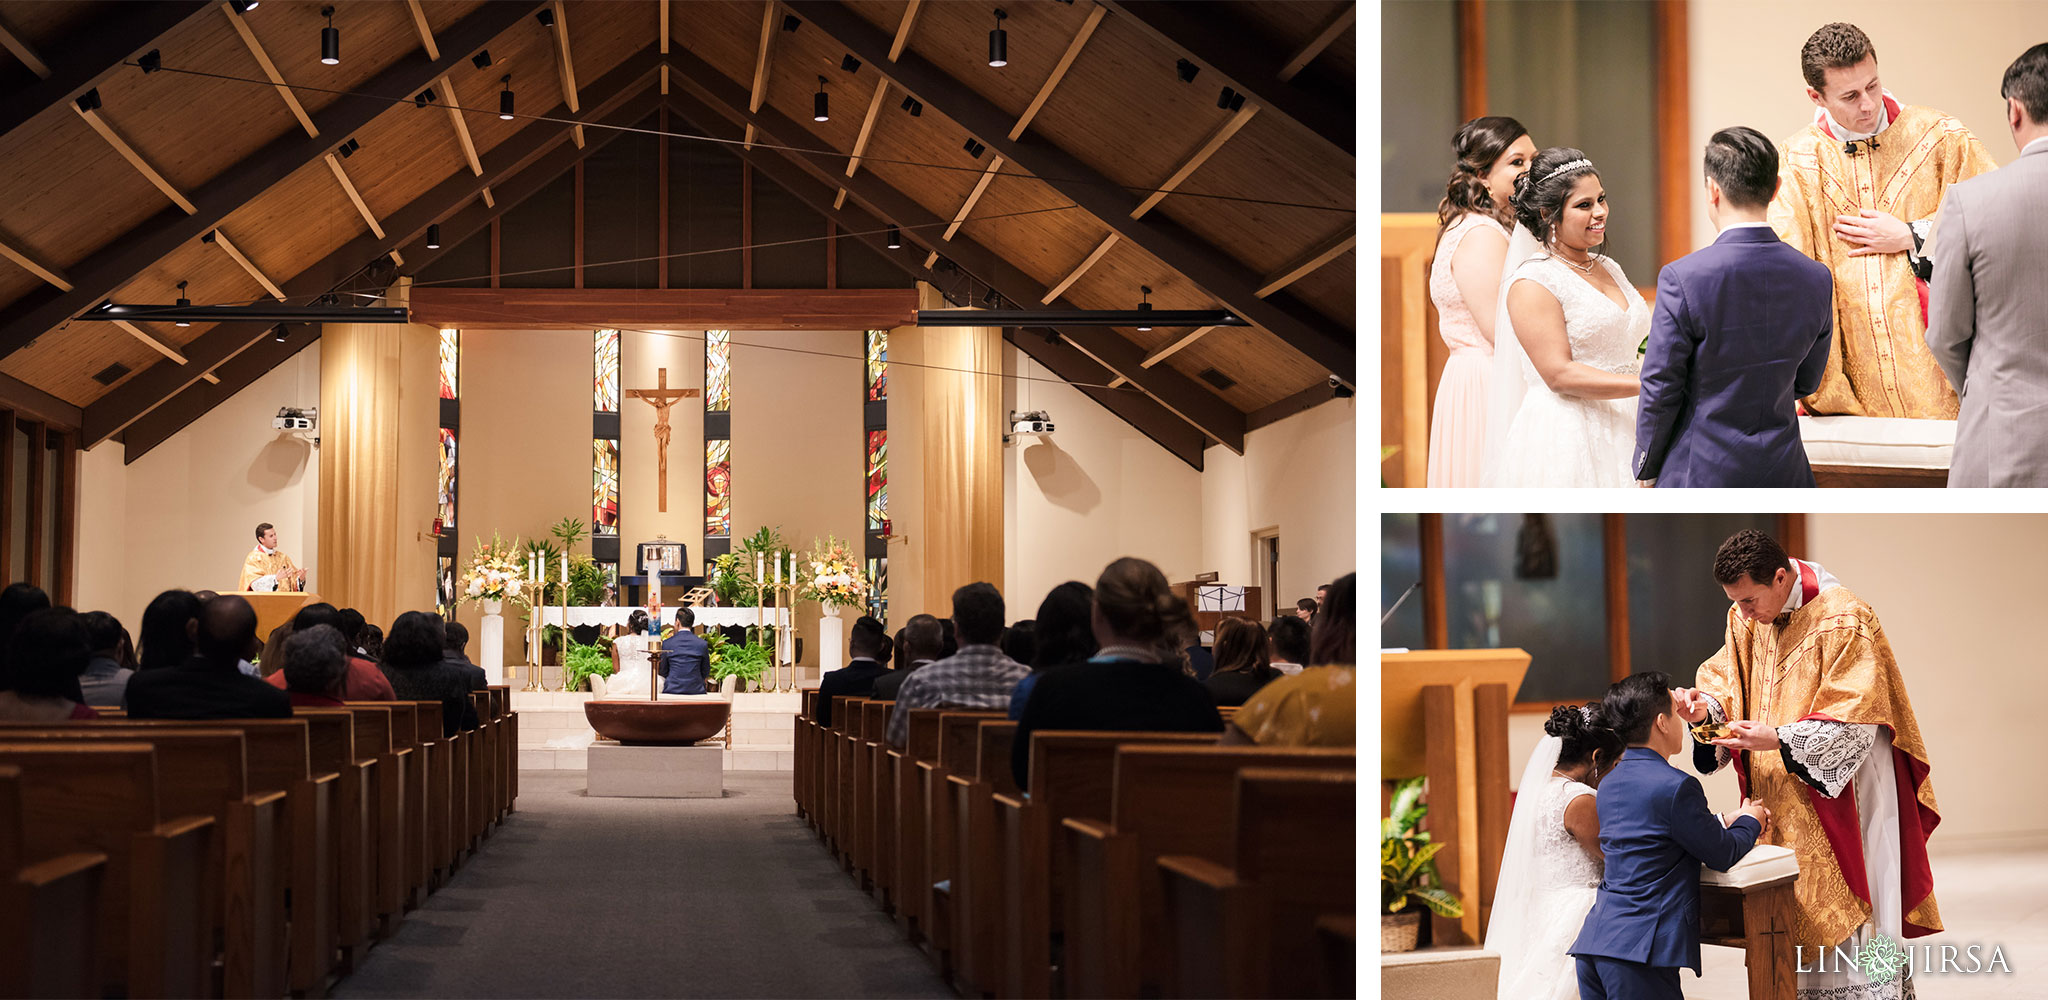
<point x="124" y="202"/>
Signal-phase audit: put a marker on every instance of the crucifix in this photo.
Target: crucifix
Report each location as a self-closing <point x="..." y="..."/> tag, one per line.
<point x="661" y="398"/>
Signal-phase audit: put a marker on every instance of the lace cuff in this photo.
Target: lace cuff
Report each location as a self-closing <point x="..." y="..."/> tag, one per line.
<point x="1824" y="753"/>
<point x="1707" y="759"/>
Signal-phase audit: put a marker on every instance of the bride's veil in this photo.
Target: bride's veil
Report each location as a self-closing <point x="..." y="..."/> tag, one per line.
<point x="1507" y="935"/>
<point x="1509" y="383"/>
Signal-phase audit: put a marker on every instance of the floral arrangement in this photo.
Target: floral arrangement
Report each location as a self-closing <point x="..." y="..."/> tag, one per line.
<point x="834" y="576"/>
<point x="496" y="572"/>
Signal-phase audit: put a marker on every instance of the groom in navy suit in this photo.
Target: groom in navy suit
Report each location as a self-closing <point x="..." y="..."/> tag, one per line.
<point x="1740" y="333"/>
<point x="1655" y="831"/>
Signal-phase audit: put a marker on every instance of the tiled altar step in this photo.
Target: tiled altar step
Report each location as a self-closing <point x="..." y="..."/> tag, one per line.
<point x="555" y="735"/>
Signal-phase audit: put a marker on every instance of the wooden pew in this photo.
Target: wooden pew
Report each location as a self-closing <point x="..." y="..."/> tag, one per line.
<point x="800" y="777"/>
<point x="391" y="803"/>
<point x="330" y="734"/>
<point x="483" y="768"/>
<point x="839" y="810"/>
<point x="508" y="748"/>
<point x="855" y="811"/>
<point x="879" y="793"/>
<point x="959" y="735"/>
<point x="49" y="911"/>
<point x="1071" y="775"/>
<point x="978" y="890"/>
<point x="1249" y="928"/>
<point x="1167" y="800"/>
<point x="921" y="746"/>
<point x="102" y="797"/>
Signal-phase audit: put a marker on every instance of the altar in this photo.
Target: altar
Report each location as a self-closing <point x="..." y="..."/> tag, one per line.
<point x="718" y="617"/>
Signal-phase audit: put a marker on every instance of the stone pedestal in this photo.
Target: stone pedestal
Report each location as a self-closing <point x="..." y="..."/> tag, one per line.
<point x="831" y="641"/>
<point x="693" y="772"/>
<point x="493" y="639"/>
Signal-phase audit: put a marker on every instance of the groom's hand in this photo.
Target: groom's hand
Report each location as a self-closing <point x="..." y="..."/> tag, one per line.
<point x="1689" y="704"/>
<point x="1751" y="807"/>
<point x="1747" y="735"/>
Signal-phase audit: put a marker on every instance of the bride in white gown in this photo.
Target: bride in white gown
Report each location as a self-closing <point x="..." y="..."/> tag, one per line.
<point x="1552" y="866"/>
<point x="1565" y="376"/>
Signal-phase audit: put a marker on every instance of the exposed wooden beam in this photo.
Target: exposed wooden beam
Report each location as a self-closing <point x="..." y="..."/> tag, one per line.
<point x="254" y="361"/>
<point x="1086" y="375"/>
<point x="100" y="47"/>
<point x="419" y="24"/>
<point x="1119" y="382"/>
<point x="1059" y="71"/>
<point x="33" y="264"/>
<point x="903" y="27"/>
<point x="23" y="51"/>
<point x="1171" y="347"/>
<point x="1080" y="269"/>
<point x="1316" y="336"/>
<point x="994" y="164"/>
<point x="1300" y="402"/>
<point x="760" y="91"/>
<point x="739" y="309"/>
<point x="662" y="6"/>
<point x="565" y="66"/>
<point x="127" y="152"/>
<point x="1220" y="41"/>
<point x="9" y="421"/>
<point x="1306" y="264"/>
<point x="220" y="239"/>
<point x="291" y="100"/>
<point x="124" y="257"/>
<point x="35" y="404"/>
<point x="462" y="136"/>
<point x="867" y="127"/>
<point x="349" y="186"/>
<point x="396" y="258"/>
<point x="151" y="341"/>
<point x="1307" y="54"/>
<point x="490" y="200"/>
<point x="839" y="200"/>
<point x="1201" y="155"/>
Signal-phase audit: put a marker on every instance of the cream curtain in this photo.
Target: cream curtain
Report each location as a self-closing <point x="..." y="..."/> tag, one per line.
<point x="379" y="401"/>
<point x="963" y="471"/>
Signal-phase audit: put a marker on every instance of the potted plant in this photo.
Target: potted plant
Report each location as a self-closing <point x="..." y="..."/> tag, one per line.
<point x="1408" y="871"/>
<point x="732" y="579"/>
<point x="749" y="662"/>
<point x="594" y="660"/>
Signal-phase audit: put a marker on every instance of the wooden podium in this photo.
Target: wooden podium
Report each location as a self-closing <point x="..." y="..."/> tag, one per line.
<point x="274" y="608"/>
<point x="1445" y="716"/>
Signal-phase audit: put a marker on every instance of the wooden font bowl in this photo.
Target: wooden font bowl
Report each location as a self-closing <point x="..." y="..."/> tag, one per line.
<point x="657" y="723"/>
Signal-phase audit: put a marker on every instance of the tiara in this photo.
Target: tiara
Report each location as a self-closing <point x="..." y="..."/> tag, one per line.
<point x="1586" y="712"/>
<point x="1573" y="165"/>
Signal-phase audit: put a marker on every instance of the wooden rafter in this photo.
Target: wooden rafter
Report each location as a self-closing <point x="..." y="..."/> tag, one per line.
<point x="23" y="51"/>
<point x="1059" y="71"/>
<point x="127" y="152"/>
<point x="151" y="341"/>
<point x="1302" y="266"/>
<point x="1172" y="347"/>
<point x="99" y="54"/>
<point x="867" y="128"/>
<point x="1195" y="160"/>
<point x="565" y="67"/>
<point x="1307" y="54"/>
<point x="1080" y="269"/>
<point x="445" y="88"/>
<point x="994" y="164"/>
<point x="220" y="239"/>
<point x="662" y="6"/>
<point x="426" y="33"/>
<point x="355" y="197"/>
<point x="903" y="28"/>
<point x="760" y="91"/>
<point x="291" y="100"/>
<point x="34" y="265"/>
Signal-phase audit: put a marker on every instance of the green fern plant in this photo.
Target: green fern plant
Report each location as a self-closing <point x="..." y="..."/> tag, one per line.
<point x="1408" y="857"/>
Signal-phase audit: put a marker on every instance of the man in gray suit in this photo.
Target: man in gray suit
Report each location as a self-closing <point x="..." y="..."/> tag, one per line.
<point x="1987" y="312"/>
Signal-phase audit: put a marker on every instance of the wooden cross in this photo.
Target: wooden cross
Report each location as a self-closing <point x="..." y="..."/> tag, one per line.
<point x="661" y="397"/>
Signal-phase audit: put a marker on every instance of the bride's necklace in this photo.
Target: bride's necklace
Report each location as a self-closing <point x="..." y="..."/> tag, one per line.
<point x="1586" y="268"/>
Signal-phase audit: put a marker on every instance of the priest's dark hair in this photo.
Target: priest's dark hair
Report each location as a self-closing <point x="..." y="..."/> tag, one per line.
<point x="1585" y="733"/>
<point x="1540" y="194"/>
<point x="1749" y="554"/>
<point x="2027" y="81"/>
<point x="1480" y="143"/>
<point x="1633" y="704"/>
<point x="1838" y="45"/>
<point x="1744" y="164"/>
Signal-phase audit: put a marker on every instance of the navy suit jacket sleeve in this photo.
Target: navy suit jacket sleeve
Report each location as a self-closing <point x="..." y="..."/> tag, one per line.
<point x="1667" y="368"/>
<point x="1702" y="836"/>
<point x="1807" y="382"/>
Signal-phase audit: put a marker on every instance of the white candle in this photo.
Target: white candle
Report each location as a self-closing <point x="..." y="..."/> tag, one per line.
<point x="778" y="569"/>
<point x="565" y="570"/>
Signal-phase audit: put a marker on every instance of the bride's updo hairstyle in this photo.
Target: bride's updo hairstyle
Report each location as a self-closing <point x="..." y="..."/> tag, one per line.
<point x="1585" y="733"/>
<point x="1540" y="193"/>
<point x="1480" y="143"/>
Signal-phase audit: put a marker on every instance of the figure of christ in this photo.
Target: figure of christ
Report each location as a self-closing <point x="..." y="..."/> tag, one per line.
<point x="661" y="397"/>
<point x="1819" y="729"/>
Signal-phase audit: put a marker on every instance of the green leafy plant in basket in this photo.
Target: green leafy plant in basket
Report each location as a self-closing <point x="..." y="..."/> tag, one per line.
<point x="585" y="662"/>
<point x="747" y="662"/>
<point x="732" y="579"/>
<point x="1408" y="858"/>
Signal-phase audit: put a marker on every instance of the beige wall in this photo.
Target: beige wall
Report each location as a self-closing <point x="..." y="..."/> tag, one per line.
<point x="183" y="515"/>
<point x="1298" y="477"/>
<point x="1745" y="64"/>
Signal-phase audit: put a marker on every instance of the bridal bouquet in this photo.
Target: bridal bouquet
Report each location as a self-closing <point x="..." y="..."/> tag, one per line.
<point x="835" y="577"/>
<point x="496" y="572"/>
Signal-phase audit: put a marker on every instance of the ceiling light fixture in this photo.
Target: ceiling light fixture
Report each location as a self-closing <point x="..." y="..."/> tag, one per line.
<point x="1187" y="70"/>
<point x="434" y="236"/>
<point x="975" y="149"/>
<point x="848" y="63"/>
<point x="1229" y="100"/>
<point x="820" y="111"/>
<point x="546" y="17"/>
<point x="991" y="299"/>
<point x="1145" y="306"/>
<point x="242" y="6"/>
<point x="895" y="239"/>
<point x="790" y="22"/>
<point x="279" y="333"/>
<point x="999" y="42"/>
<point x="330" y="39"/>
<point x="90" y="100"/>
<point x="151" y="61"/>
<point x="183" y="303"/>
<point x="423" y="98"/>
<point x="505" y="99"/>
<point x="914" y="106"/>
<point x="482" y="59"/>
<point x="348" y="149"/>
<point x="271" y="312"/>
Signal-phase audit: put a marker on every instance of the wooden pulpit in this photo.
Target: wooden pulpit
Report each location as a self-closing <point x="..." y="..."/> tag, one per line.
<point x="1445" y="716"/>
<point x="273" y="608"/>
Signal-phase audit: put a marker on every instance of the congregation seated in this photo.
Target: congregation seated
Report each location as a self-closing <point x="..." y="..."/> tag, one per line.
<point x="1288" y="639"/>
<point x="1305" y="609"/>
<point x="364" y="681"/>
<point x="456" y="654"/>
<point x="685" y="658"/>
<point x="1020" y="641"/>
<point x="1137" y="680"/>
<point x="209" y="684"/>
<point x="370" y="643"/>
<point x="16" y="603"/>
<point x="1317" y="707"/>
<point x="316" y="662"/>
<point x="979" y="676"/>
<point x="1063" y="635"/>
<point x="48" y="653"/>
<point x="412" y="663"/>
<point x="919" y="644"/>
<point x="1242" y="663"/>
<point x="864" y="648"/>
<point x="105" y="681"/>
<point x="170" y="628"/>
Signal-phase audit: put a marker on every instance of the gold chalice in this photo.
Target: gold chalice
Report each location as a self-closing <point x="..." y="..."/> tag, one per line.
<point x="1708" y="732"/>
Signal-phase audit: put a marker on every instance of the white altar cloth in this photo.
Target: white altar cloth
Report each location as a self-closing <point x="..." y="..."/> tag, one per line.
<point x="705" y="616"/>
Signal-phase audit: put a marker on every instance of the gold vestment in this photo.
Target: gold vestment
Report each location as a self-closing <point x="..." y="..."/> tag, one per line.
<point x="262" y="564"/>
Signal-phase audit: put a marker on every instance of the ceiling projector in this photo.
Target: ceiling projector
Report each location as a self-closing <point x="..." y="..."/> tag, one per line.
<point x="1030" y="422"/>
<point x="291" y="418"/>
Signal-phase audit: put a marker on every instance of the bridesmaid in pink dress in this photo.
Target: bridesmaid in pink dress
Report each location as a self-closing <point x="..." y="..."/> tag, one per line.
<point x="1464" y="281"/>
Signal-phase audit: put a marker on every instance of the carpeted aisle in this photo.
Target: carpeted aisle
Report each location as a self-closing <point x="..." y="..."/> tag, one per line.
<point x="582" y="897"/>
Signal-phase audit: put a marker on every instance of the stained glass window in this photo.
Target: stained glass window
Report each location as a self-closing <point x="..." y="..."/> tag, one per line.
<point x="878" y="587"/>
<point x="718" y="488"/>
<point x="718" y="370"/>
<point x="604" y="486"/>
<point x="607" y="368"/>
<point x="444" y="586"/>
<point x="447" y="478"/>
<point x="878" y="481"/>
<point x="451" y="362"/>
<point x="878" y="364"/>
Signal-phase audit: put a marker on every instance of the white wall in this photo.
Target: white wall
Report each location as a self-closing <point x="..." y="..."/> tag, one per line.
<point x="184" y="514"/>
<point x="1298" y="476"/>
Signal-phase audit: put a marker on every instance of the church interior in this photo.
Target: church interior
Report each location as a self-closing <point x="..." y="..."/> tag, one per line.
<point x="563" y="497"/>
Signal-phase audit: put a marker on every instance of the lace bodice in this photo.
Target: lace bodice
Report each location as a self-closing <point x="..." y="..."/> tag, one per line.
<point x="1564" y="863"/>
<point x="1454" y="315"/>
<point x="1601" y="333"/>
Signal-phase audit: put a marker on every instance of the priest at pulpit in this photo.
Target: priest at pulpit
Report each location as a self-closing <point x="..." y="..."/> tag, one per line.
<point x="267" y="567"/>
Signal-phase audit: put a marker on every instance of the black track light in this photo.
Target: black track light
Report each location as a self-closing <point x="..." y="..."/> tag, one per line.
<point x="242" y="6"/>
<point x="279" y="333"/>
<point x="182" y="303"/>
<point x="151" y="61"/>
<point x="991" y="299"/>
<point x="914" y="106"/>
<point x="423" y="98"/>
<point x="1187" y="70"/>
<point x="330" y="39"/>
<point x="999" y="42"/>
<point x="348" y="149"/>
<point x="848" y="63"/>
<point x="211" y="236"/>
<point x="975" y="149"/>
<point x="1229" y="100"/>
<point x="434" y="236"/>
<point x="90" y="100"/>
<point x="790" y="22"/>
<point x="1145" y="305"/>
<point x="505" y="99"/>
<point x="482" y="59"/>
<point x="546" y="17"/>
<point x="820" y="109"/>
<point x="895" y="239"/>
